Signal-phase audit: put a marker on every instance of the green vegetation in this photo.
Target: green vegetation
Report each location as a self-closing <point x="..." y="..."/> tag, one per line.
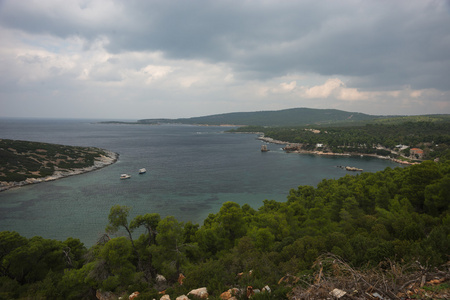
<point x="297" y="117"/>
<point x="373" y="138"/>
<point x="20" y="160"/>
<point x="286" y="117"/>
<point x="384" y="219"/>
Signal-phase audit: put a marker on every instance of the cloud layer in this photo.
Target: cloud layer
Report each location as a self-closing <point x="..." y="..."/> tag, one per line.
<point x="150" y="59"/>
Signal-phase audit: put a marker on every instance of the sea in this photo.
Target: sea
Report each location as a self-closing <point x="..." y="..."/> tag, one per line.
<point x="191" y="172"/>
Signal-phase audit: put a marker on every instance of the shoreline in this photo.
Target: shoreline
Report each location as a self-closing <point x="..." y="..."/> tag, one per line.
<point x="99" y="163"/>
<point x="315" y="152"/>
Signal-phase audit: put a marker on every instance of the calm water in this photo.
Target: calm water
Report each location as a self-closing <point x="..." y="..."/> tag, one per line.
<point x="191" y="171"/>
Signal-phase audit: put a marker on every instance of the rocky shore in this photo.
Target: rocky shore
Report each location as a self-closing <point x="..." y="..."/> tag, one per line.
<point x="292" y="148"/>
<point x="100" y="162"/>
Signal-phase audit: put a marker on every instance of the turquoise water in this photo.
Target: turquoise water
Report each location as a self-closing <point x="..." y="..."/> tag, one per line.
<point x="191" y="171"/>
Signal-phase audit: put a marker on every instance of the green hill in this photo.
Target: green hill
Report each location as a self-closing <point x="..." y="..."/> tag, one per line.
<point x="286" y="117"/>
<point x="25" y="160"/>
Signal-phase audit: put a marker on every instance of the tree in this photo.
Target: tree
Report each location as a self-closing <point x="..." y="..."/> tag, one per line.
<point x="118" y="218"/>
<point x="169" y="250"/>
<point x="117" y="257"/>
<point x="231" y="219"/>
<point x="150" y="223"/>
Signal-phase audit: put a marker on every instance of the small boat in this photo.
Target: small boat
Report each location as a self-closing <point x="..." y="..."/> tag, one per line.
<point x="142" y="171"/>
<point x="125" y="176"/>
<point x="353" y="169"/>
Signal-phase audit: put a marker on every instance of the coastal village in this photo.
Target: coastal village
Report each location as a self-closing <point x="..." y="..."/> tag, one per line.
<point x="416" y="154"/>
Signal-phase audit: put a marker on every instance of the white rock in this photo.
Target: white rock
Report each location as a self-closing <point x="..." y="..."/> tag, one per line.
<point x="201" y="293"/>
<point x="337" y="293"/>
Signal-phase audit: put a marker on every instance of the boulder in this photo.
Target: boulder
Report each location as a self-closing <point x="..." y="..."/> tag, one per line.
<point x="133" y="296"/>
<point x="165" y="297"/>
<point x="201" y="293"/>
<point x="182" y="297"/>
<point x="160" y="278"/>
<point x="266" y="289"/>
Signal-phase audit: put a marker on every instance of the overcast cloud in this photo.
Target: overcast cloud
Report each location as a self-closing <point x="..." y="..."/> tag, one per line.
<point x="170" y="59"/>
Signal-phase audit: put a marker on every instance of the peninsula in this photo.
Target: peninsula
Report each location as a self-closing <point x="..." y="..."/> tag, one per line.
<point x="25" y="162"/>
<point x="407" y="142"/>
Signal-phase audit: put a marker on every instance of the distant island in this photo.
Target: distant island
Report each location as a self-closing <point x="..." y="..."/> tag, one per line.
<point x="25" y="162"/>
<point x="289" y="117"/>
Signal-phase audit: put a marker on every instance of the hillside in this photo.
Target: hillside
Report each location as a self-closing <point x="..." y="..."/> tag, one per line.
<point x="32" y="162"/>
<point x="383" y="137"/>
<point x="286" y="117"/>
<point x="380" y="235"/>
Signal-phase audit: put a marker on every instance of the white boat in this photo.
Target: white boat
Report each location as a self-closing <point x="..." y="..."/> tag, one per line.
<point x="125" y="176"/>
<point x="142" y="171"/>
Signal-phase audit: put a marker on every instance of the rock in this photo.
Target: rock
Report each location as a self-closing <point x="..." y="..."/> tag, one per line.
<point x="182" y="297"/>
<point x="225" y="295"/>
<point x="181" y="278"/>
<point x="228" y="295"/>
<point x="133" y="296"/>
<point x="105" y="295"/>
<point x="165" y="297"/>
<point x="436" y="281"/>
<point x="266" y="289"/>
<point x="250" y="292"/>
<point x="201" y="293"/>
<point x="337" y="293"/>
<point x="160" y="278"/>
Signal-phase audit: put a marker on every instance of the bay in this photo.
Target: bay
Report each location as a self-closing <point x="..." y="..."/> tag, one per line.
<point x="191" y="171"/>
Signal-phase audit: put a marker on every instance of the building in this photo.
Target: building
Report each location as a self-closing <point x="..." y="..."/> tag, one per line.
<point x="416" y="153"/>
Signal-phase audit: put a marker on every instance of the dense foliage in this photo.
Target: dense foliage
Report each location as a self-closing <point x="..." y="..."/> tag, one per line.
<point x="400" y="214"/>
<point x="432" y="137"/>
<point x="20" y="160"/>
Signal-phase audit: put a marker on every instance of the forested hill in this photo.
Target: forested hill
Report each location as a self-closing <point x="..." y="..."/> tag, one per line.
<point x="24" y="162"/>
<point x="286" y="117"/>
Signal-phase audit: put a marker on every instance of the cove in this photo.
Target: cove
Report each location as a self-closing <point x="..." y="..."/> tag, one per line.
<point x="191" y="171"/>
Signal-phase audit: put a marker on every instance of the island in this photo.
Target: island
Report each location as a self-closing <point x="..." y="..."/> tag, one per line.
<point x="26" y="162"/>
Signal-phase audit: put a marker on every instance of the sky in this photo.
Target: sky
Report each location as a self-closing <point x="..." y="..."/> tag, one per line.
<point x="135" y="59"/>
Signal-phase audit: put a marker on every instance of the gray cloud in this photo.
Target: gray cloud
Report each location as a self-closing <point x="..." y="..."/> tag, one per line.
<point x="390" y="43"/>
<point x="373" y="45"/>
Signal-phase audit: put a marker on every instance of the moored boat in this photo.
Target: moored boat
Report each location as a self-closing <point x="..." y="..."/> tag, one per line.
<point x="142" y="171"/>
<point x="125" y="176"/>
<point x="353" y="169"/>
